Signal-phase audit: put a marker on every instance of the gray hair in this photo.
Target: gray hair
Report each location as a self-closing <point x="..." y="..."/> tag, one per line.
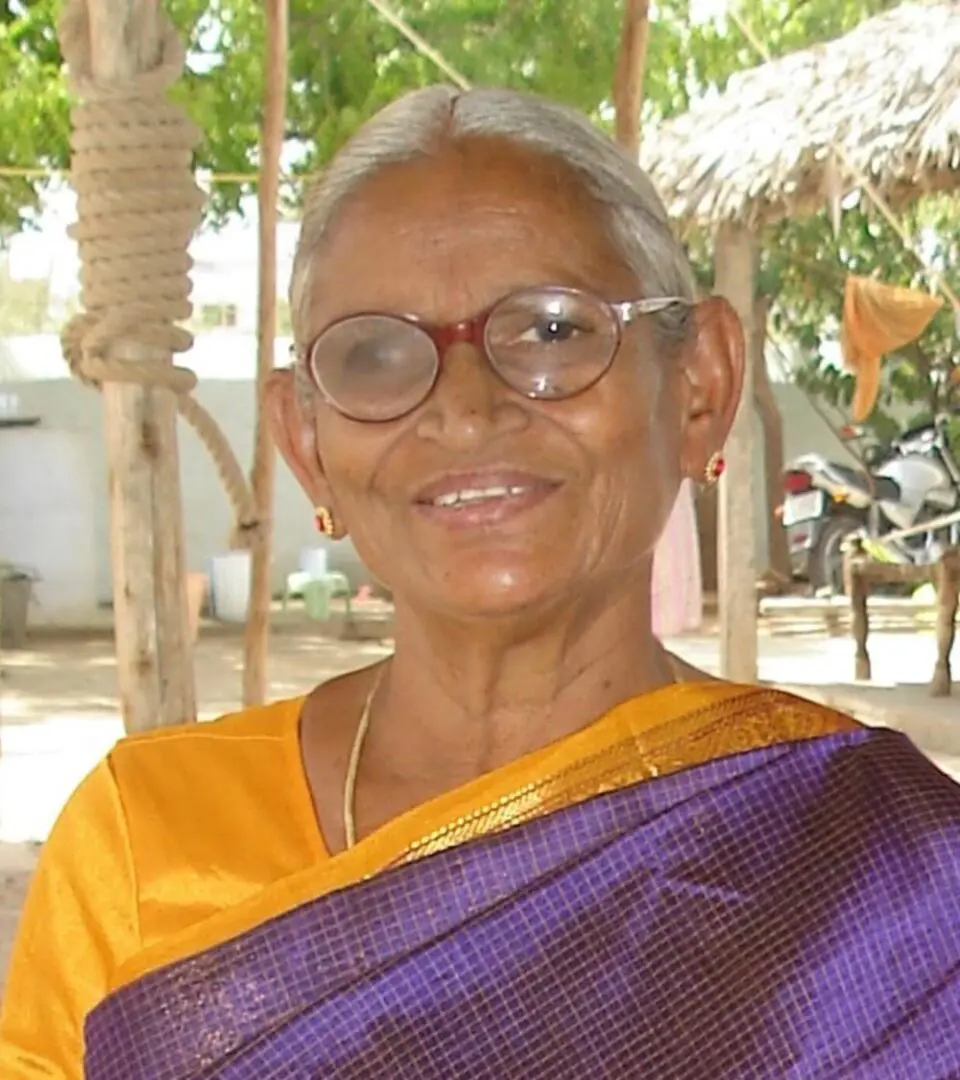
<point x="419" y="123"/>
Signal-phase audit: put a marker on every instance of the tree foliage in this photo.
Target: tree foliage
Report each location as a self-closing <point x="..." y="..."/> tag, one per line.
<point x="346" y="62"/>
<point x="806" y="266"/>
<point x="34" y="116"/>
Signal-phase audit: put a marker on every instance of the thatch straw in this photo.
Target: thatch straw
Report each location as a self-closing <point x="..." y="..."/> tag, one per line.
<point x="888" y="92"/>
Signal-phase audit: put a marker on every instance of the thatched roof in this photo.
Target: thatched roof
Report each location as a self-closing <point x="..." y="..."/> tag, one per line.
<point x="888" y="92"/>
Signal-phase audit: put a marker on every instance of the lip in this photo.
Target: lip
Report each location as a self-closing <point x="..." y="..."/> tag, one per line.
<point x="532" y="490"/>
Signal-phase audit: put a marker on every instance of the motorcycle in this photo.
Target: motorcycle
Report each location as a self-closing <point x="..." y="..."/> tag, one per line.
<point x="906" y="484"/>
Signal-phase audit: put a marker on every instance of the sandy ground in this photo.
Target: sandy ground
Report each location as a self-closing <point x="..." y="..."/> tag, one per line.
<point x="58" y="717"/>
<point x="58" y="709"/>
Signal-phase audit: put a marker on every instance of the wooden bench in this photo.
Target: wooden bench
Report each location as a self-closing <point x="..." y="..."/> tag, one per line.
<point x="803" y="614"/>
<point x="861" y="573"/>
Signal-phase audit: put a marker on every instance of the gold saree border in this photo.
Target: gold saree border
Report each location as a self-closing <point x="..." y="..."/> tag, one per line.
<point x="673" y="728"/>
<point x="715" y="731"/>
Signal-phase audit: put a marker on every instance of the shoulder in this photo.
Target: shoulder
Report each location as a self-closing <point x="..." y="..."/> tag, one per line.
<point x="171" y="826"/>
<point x="267" y="722"/>
<point x="176" y="779"/>
<point x="877" y="769"/>
<point x="874" y="800"/>
<point x="213" y="812"/>
<point x="889" y="773"/>
<point x="249" y="739"/>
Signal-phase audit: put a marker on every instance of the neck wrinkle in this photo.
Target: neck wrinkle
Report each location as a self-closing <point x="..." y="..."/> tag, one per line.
<point x="470" y="701"/>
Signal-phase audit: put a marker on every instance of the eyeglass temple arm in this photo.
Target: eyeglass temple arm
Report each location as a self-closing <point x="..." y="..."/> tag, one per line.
<point x="630" y="310"/>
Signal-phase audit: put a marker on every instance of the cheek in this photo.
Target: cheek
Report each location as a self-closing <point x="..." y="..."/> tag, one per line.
<point x="356" y="463"/>
<point x="348" y="453"/>
<point x="629" y="423"/>
<point x="633" y="436"/>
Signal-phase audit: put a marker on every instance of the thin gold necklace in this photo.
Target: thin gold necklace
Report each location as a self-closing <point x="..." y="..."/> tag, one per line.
<point x="353" y="765"/>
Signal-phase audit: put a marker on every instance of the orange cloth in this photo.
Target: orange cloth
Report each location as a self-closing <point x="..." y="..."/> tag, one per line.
<point x="878" y="318"/>
<point x="186" y="838"/>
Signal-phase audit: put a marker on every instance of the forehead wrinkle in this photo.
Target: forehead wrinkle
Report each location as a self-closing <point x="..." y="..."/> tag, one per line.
<point x="460" y="239"/>
<point x="449" y="291"/>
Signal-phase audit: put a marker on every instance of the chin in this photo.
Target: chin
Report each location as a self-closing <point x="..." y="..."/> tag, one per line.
<point x="497" y="590"/>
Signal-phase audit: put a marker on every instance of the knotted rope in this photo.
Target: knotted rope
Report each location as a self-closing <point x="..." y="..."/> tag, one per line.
<point x="138" y="207"/>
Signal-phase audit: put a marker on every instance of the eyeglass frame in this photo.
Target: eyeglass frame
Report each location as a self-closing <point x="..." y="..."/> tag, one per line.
<point x="472" y="331"/>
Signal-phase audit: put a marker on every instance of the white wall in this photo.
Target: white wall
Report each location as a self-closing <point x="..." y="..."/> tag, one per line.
<point x="71" y="473"/>
<point x="53" y="478"/>
<point x="47" y="517"/>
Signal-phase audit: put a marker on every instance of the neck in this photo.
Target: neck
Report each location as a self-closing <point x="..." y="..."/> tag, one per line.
<point x="460" y="700"/>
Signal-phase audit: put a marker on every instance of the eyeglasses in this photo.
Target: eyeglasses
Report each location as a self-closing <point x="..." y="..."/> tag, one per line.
<point x="545" y="343"/>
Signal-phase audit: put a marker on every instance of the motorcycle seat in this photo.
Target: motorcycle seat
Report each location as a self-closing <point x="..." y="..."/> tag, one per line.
<point x="882" y="487"/>
<point x="887" y="490"/>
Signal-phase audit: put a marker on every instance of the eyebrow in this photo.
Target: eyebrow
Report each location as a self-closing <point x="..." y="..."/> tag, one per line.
<point x="568" y="279"/>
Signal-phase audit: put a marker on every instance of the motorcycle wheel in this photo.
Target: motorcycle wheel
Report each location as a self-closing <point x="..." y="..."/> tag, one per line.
<point x="826" y="559"/>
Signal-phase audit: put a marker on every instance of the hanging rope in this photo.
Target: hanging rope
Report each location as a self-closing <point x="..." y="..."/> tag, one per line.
<point x="138" y="207"/>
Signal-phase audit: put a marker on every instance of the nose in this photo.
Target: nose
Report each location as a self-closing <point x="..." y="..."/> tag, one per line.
<point x="469" y="404"/>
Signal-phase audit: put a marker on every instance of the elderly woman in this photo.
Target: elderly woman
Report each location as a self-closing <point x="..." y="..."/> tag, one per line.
<point x="531" y="844"/>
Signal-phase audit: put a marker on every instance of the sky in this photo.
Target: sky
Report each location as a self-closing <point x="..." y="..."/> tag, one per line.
<point x="47" y="253"/>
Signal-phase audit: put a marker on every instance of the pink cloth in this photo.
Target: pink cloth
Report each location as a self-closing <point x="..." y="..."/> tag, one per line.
<point x="677" y="595"/>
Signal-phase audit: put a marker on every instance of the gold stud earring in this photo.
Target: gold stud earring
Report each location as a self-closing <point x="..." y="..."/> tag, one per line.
<point x="325" y="522"/>
<point x="715" y="468"/>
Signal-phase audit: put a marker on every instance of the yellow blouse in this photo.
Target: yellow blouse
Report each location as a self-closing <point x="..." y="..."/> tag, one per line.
<point x="173" y="826"/>
<point x="186" y="837"/>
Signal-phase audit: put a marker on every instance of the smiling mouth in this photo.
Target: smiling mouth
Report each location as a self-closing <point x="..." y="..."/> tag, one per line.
<point x="471" y="501"/>
<point x="472" y="496"/>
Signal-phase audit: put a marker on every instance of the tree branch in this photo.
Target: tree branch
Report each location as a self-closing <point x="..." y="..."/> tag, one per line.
<point x="420" y="44"/>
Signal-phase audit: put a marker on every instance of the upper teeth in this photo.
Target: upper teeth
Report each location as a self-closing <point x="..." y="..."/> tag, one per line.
<point x="452" y="498"/>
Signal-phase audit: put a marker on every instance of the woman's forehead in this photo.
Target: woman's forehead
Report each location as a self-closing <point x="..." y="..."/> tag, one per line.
<point x="444" y="237"/>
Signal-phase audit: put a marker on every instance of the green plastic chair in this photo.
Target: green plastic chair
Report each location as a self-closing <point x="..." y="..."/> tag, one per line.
<point x="318" y="592"/>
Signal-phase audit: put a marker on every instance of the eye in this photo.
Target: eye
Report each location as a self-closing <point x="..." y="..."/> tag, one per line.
<point x="546" y="319"/>
<point x="551" y="330"/>
<point x="371" y="357"/>
<point x="526" y="329"/>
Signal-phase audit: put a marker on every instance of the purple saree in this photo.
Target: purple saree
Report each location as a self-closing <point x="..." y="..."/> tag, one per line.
<point x="787" y="912"/>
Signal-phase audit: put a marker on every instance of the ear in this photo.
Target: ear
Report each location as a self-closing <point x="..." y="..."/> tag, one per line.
<point x="294" y="431"/>
<point x="714" y="363"/>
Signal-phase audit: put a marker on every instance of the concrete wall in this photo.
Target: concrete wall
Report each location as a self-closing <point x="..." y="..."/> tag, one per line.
<point x="53" y="478"/>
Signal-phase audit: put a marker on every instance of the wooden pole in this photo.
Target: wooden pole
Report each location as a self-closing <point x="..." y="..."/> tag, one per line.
<point x="772" y="423"/>
<point x="736" y="255"/>
<point x="948" y="603"/>
<point x="154" y="662"/>
<point x="857" y="586"/>
<point x="257" y="631"/>
<point x="628" y="81"/>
